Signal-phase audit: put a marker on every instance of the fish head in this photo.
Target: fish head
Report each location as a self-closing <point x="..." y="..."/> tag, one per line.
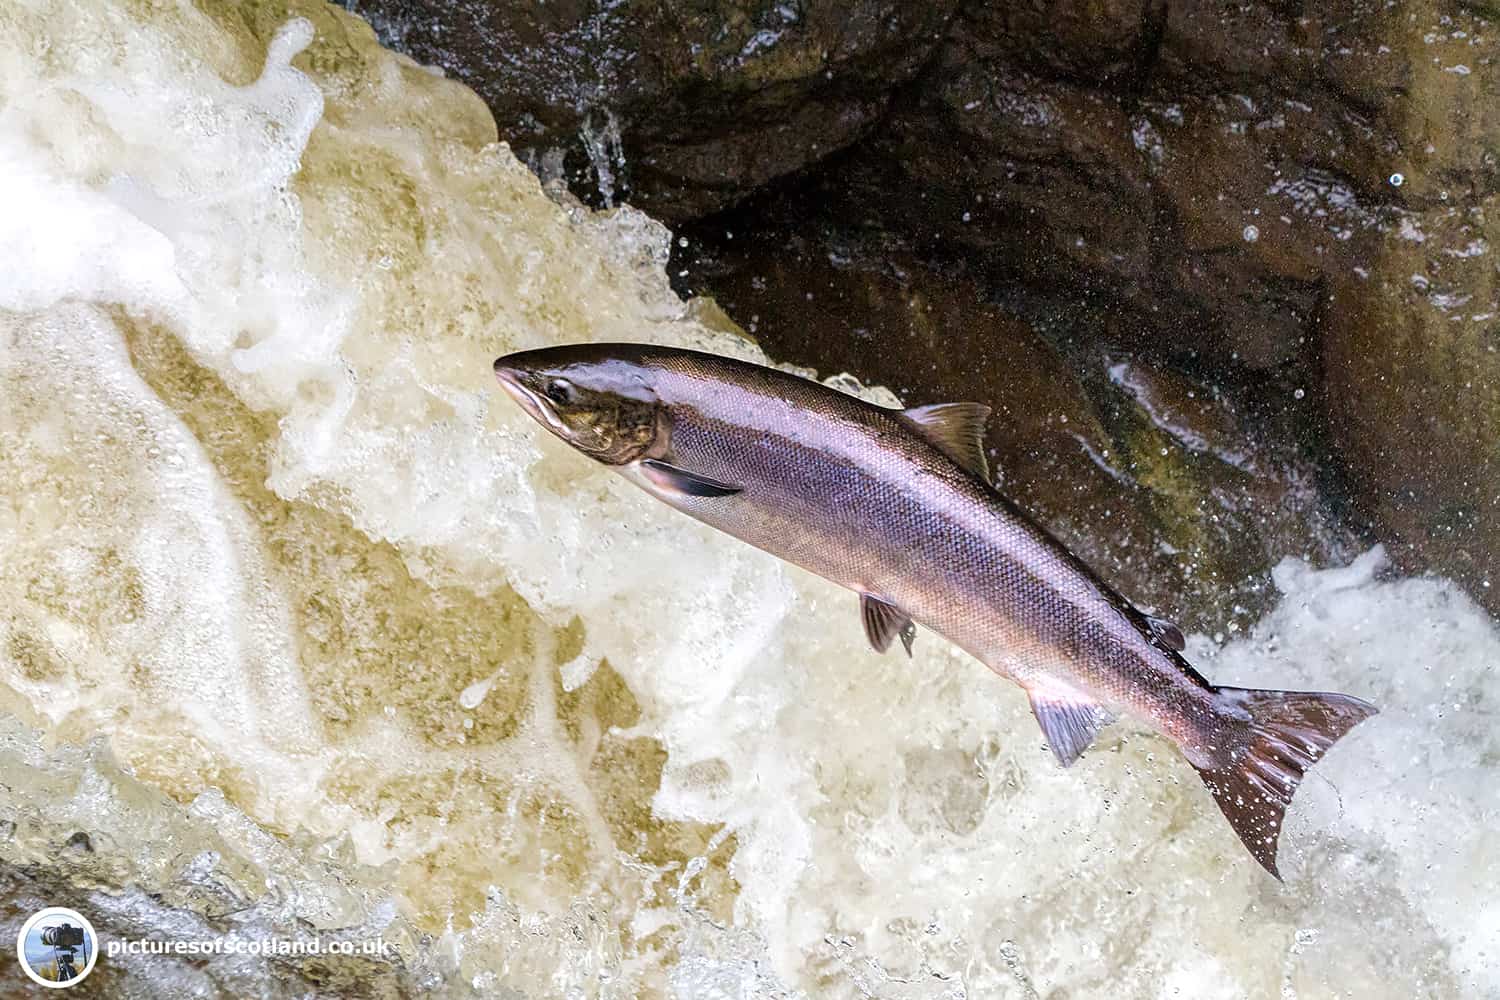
<point x="597" y="398"/>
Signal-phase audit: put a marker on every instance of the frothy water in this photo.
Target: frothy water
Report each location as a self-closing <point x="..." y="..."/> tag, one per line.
<point x="299" y="611"/>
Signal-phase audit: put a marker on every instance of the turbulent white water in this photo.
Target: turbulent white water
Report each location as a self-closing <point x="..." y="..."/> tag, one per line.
<point x="296" y="604"/>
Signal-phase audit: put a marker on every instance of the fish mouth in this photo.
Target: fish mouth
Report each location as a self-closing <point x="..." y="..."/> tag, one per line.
<point x="540" y="411"/>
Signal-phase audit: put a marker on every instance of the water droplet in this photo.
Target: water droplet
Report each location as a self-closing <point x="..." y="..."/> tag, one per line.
<point x="1397" y="180"/>
<point x="1251" y="234"/>
<point x="1298" y="394"/>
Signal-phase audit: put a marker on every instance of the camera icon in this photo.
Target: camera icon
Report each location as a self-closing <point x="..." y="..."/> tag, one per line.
<point x="57" y="947"/>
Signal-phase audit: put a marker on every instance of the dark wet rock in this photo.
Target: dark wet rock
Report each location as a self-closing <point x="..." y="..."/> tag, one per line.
<point x="1116" y="150"/>
<point x="1412" y="360"/>
<point x="1097" y="40"/>
<point x="683" y="109"/>
<point x="1411" y="336"/>
<point x="1196" y="166"/>
<point x="1168" y="488"/>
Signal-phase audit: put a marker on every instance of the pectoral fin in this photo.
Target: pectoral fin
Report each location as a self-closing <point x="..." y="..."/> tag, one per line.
<point x="883" y="622"/>
<point x="956" y="429"/>
<point x="1069" y="720"/>
<point x="670" y="479"/>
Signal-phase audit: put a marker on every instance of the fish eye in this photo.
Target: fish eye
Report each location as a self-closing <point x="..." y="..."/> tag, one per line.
<point x="560" y="391"/>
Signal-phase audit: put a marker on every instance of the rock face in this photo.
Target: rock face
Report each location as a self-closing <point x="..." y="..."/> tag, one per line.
<point x="1414" y="392"/>
<point x="1410" y="338"/>
<point x="1289" y="203"/>
<point x="1195" y="167"/>
<point x="684" y="109"/>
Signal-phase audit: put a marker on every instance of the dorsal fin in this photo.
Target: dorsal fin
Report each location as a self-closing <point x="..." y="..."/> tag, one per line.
<point x="956" y="429"/>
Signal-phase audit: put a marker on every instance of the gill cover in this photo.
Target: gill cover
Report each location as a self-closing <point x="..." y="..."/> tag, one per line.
<point x="602" y="406"/>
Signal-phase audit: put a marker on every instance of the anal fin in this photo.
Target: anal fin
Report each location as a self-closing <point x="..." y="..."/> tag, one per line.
<point x="1069" y="720"/>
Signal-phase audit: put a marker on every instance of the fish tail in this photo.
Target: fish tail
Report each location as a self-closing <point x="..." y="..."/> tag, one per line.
<point x="1263" y="759"/>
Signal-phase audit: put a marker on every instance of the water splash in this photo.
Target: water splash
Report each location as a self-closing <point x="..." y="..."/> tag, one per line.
<point x="267" y="521"/>
<point x="605" y="149"/>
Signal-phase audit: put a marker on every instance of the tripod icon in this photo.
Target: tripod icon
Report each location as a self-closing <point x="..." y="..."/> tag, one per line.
<point x="66" y="970"/>
<point x="57" y="947"/>
<point x="65" y="939"/>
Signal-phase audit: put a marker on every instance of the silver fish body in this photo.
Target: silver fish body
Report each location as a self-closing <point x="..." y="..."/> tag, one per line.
<point x="897" y="506"/>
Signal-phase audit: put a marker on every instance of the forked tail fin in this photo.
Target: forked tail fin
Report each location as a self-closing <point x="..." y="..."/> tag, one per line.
<point x="1265" y="758"/>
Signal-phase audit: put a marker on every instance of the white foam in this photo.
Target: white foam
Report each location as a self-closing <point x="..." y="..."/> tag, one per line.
<point x="345" y="257"/>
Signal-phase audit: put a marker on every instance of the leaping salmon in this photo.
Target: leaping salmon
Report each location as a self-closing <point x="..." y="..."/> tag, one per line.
<point x="898" y="506"/>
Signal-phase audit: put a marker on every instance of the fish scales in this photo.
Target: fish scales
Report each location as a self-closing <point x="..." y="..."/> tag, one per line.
<point x="897" y="506"/>
<point x="841" y="488"/>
